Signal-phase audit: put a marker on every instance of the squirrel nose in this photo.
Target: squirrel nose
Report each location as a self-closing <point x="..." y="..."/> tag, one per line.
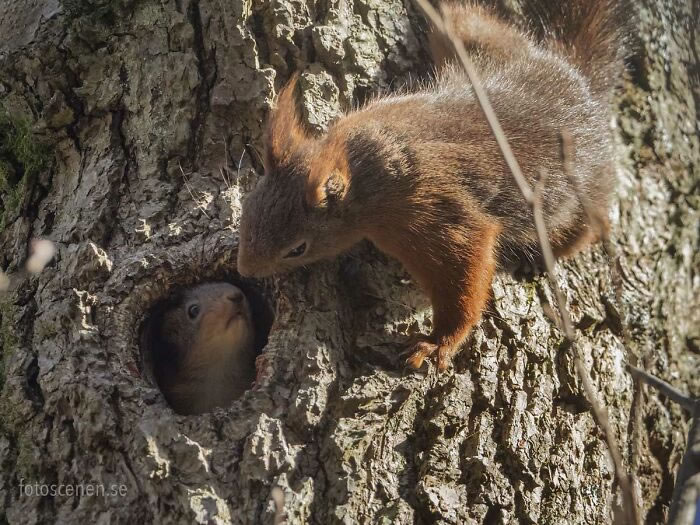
<point x="235" y="297"/>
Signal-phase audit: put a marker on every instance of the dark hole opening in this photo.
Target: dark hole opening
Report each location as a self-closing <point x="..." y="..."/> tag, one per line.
<point x="194" y="386"/>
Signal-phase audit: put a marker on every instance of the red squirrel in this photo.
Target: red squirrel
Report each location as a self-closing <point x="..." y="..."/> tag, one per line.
<point x="203" y="347"/>
<point x="420" y="174"/>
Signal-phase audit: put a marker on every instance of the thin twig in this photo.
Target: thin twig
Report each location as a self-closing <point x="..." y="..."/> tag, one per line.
<point x="662" y="386"/>
<point x="240" y="163"/>
<point x="600" y="414"/>
<point x="260" y="160"/>
<point x="686" y="493"/>
<point x="548" y="256"/>
<point x="534" y="198"/>
<point x="199" y="203"/>
<point x="223" y="170"/>
<point x="598" y="223"/>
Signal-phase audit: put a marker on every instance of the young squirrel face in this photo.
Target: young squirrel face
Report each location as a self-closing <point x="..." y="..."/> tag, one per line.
<point x="205" y="348"/>
<point x="210" y="319"/>
<point x="295" y="215"/>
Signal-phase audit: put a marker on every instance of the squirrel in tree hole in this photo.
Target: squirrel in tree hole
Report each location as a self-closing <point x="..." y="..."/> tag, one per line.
<point x="421" y="176"/>
<point x="203" y="347"/>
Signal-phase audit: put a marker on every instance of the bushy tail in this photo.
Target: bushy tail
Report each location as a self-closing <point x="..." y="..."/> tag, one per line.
<point x="593" y="33"/>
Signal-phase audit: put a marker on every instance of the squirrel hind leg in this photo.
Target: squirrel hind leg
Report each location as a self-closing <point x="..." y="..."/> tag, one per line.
<point x="573" y="244"/>
<point x="576" y="239"/>
<point x="419" y="351"/>
<point x="425" y="349"/>
<point x="530" y="262"/>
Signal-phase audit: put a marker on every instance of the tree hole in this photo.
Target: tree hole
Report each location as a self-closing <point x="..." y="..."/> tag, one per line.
<point x="199" y="343"/>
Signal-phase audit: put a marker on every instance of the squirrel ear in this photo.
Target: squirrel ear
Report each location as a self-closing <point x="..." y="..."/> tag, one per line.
<point x="323" y="192"/>
<point x="284" y="129"/>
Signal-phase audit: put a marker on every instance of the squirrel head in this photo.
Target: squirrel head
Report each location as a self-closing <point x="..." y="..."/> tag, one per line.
<point x="296" y="213"/>
<point x="203" y="347"/>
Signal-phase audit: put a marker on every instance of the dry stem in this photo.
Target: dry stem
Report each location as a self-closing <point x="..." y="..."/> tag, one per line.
<point x="686" y="493"/>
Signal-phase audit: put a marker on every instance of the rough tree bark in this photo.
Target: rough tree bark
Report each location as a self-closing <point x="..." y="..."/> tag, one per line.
<point x="149" y="114"/>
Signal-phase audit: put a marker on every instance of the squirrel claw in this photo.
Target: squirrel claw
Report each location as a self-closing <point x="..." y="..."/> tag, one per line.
<point x="419" y="352"/>
<point x="424" y="349"/>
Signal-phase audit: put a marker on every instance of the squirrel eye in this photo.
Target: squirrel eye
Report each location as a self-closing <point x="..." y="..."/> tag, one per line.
<point x="297" y="252"/>
<point x="193" y="311"/>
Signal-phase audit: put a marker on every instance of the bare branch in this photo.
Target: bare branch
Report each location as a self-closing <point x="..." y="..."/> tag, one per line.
<point x="600" y="414"/>
<point x="686" y="493"/>
<point x="548" y="256"/>
<point x="200" y="204"/>
<point x="597" y="222"/>
<point x="662" y="386"/>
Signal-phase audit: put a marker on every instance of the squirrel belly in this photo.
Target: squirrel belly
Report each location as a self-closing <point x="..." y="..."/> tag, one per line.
<point x="422" y="177"/>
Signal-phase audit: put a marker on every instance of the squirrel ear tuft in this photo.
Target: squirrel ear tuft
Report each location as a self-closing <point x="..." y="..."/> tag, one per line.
<point x="323" y="192"/>
<point x="285" y="131"/>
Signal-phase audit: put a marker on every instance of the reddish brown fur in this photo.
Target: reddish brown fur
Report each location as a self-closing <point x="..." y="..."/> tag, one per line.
<point x="421" y="175"/>
<point x="578" y="238"/>
<point x="285" y="133"/>
<point x="480" y="30"/>
<point x="329" y="171"/>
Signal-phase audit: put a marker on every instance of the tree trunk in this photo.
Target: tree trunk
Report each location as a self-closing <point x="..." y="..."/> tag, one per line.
<point x="132" y="130"/>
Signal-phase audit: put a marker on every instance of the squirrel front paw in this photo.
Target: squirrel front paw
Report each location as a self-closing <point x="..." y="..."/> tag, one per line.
<point x="424" y="349"/>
